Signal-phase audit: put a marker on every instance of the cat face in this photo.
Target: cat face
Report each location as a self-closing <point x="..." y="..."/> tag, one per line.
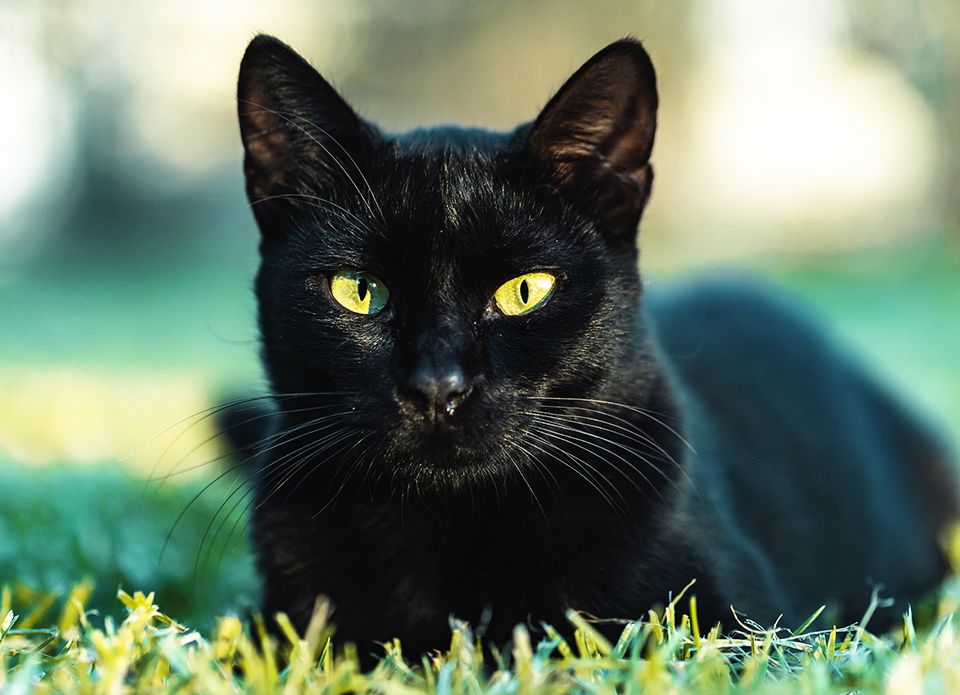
<point x="436" y="284"/>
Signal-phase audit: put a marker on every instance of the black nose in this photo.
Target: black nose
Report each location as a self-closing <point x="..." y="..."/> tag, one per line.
<point x="439" y="392"/>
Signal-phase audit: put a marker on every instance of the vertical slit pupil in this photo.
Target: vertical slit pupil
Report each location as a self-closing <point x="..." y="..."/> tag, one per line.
<point x="524" y="291"/>
<point x="361" y="288"/>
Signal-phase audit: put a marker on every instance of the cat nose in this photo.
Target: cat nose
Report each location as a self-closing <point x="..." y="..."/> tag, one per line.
<point x="440" y="392"/>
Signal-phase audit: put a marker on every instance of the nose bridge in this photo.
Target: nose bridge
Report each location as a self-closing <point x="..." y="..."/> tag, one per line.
<point x="442" y="341"/>
<point x="438" y="358"/>
<point x="437" y="378"/>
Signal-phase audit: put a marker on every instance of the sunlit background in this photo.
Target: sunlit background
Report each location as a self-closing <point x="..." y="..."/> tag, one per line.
<point x="814" y="141"/>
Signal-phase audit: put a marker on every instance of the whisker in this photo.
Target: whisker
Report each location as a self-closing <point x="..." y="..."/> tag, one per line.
<point x="346" y="479"/>
<point x="330" y="441"/>
<point x="232" y="514"/>
<point x="636" y="409"/>
<point x="538" y="465"/>
<point x="277" y="471"/>
<point x="530" y="488"/>
<point x="275" y="464"/>
<point x="258" y="446"/>
<point x="174" y="471"/>
<point x="197" y="565"/>
<point x="579" y="471"/>
<point x="233" y="509"/>
<point x="307" y="452"/>
<point x="373" y="446"/>
<point x="571" y="426"/>
<point x="236" y="522"/>
<point x="189" y="504"/>
<point x="552" y="429"/>
<point x="220" y="407"/>
<point x="634" y="430"/>
<point x="226" y="472"/>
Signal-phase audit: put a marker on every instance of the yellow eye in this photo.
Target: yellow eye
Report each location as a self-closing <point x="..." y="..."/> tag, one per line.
<point x="359" y="292"/>
<point x="524" y="293"/>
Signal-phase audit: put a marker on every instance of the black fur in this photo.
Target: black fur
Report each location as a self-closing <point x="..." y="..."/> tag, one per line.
<point x="566" y="476"/>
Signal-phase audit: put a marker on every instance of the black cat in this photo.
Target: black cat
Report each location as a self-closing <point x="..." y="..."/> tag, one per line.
<point x="478" y="416"/>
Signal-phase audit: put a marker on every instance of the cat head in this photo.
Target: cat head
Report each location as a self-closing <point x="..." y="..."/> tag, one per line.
<point x="437" y="285"/>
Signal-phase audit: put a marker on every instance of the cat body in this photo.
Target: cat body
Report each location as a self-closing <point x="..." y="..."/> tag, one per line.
<point x="481" y="415"/>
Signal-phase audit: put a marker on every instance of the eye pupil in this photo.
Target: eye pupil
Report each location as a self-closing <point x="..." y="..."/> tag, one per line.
<point x="361" y="288"/>
<point x="524" y="291"/>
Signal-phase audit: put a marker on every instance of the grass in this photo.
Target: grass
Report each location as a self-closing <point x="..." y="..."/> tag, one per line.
<point x="62" y="648"/>
<point x="60" y="636"/>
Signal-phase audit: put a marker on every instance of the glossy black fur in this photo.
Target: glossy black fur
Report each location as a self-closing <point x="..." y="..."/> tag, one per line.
<point x="566" y="475"/>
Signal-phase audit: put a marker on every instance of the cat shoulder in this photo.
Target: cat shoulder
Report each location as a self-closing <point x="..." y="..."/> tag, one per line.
<point x="736" y="316"/>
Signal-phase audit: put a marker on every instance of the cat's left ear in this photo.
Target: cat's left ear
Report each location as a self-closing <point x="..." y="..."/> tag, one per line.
<point x="595" y="135"/>
<point x="300" y="137"/>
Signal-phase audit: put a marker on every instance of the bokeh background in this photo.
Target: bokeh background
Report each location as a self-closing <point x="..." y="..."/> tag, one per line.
<point x="814" y="141"/>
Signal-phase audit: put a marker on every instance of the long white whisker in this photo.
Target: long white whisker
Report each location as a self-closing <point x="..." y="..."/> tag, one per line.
<point x="529" y="487"/>
<point x="642" y="411"/>
<point x="220" y="407"/>
<point x="634" y="430"/>
<point x="280" y="435"/>
<point x="283" y="475"/>
<point x="176" y="470"/>
<point x="237" y="486"/>
<point x="237" y="466"/>
<point x="582" y="472"/>
<point x="552" y="429"/>
<point x="346" y="478"/>
<point x="541" y="468"/>
<point x="572" y="427"/>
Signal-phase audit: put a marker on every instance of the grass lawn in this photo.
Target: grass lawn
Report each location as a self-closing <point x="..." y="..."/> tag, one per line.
<point x="94" y="372"/>
<point x="57" y="647"/>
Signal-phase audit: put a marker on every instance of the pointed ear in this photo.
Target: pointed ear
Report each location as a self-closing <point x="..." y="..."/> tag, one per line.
<point x="595" y="135"/>
<point x="299" y="136"/>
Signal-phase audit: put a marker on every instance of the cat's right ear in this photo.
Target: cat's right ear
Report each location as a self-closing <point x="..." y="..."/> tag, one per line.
<point x="594" y="137"/>
<point x="300" y="137"/>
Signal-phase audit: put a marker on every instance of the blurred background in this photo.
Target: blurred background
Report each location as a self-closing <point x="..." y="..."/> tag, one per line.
<point x="814" y="141"/>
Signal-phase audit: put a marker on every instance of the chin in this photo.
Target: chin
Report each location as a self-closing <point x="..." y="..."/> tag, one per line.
<point x="453" y="467"/>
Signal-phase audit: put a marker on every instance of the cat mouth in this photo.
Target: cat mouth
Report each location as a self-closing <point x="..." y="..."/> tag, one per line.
<point x="445" y="443"/>
<point x="447" y="448"/>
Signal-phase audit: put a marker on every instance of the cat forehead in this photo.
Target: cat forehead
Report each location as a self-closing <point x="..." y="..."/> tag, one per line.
<point x="446" y="214"/>
<point x="448" y="139"/>
<point x="438" y="198"/>
<point x="451" y="189"/>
